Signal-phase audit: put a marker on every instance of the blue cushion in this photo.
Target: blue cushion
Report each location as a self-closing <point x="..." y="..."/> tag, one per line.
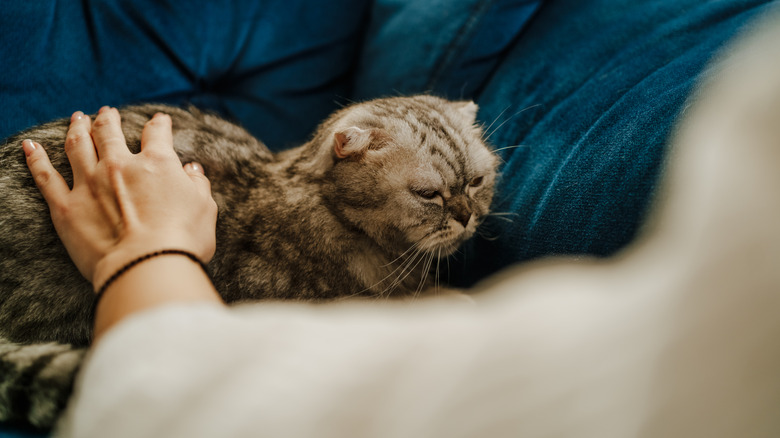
<point x="437" y="45"/>
<point x="579" y="97"/>
<point x="274" y="65"/>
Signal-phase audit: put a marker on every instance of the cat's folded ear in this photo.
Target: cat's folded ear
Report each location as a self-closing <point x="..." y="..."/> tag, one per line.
<point x="354" y="141"/>
<point x="468" y="109"/>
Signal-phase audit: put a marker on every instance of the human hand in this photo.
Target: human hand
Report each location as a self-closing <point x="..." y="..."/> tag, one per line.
<point x="124" y="205"/>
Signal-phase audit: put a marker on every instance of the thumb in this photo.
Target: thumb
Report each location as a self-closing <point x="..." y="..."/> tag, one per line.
<point x="197" y="175"/>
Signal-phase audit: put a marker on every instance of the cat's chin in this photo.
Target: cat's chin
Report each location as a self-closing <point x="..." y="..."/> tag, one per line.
<point x="446" y="247"/>
<point x="445" y="250"/>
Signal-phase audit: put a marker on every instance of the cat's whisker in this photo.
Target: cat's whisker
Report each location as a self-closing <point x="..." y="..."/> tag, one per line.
<point x="503" y="216"/>
<point x="487" y="128"/>
<point x="448" y="269"/>
<point x="403" y="266"/>
<point x="406" y="265"/>
<point x="487" y="237"/>
<point x="501" y="159"/>
<point x="426" y="273"/>
<point x="496" y="151"/>
<point x="436" y="279"/>
<point x="490" y="134"/>
<point x="426" y="270"/>
<point x="339" y="98"/>
<point x="508" y="195"/>
<point x="400" y="280"/>
<point x="415" y="245"/>
<point x="411" y="248"/>
<point x="488" y="232"/>
<point x="510" y="147"/>
<point x="436" y="272"/>
<point x="455" y="253"/>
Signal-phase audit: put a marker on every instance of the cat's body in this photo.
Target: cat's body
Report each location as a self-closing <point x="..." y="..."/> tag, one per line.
<point x="381" y="191"/>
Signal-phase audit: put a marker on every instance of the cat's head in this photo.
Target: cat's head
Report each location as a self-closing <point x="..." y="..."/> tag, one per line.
<point x="410" y="171"/>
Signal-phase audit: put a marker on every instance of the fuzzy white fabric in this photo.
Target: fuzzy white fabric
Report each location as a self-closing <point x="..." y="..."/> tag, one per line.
<point x="676" y="337"/>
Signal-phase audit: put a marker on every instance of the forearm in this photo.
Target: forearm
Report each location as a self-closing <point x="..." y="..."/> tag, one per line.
<point x="160" y="280"/>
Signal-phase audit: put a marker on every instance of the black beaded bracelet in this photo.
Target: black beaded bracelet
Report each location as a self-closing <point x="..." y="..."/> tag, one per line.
<point x="143" y="258"/>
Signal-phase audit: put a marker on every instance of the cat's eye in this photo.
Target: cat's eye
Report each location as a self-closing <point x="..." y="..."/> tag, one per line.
<point x="476" y="181"/>
<point x="427" y="194"/>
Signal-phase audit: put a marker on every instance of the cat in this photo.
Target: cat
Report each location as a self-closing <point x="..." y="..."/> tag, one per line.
<point x="381" y="192"/>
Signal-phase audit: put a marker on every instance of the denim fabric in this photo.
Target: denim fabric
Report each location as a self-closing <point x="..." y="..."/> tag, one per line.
<point x="580" y="108"/>
<point x="275" y="65"/>
<point x="445" y="46"/>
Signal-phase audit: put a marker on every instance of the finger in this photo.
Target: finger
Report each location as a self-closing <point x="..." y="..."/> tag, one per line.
<point x="196" y="173"/>
<point x="79" y="147"/>
<point x="198" y="176"/>
<point x="51" y="184"/>
<point x="157" y="135"/>
<point x="108" y="135"/>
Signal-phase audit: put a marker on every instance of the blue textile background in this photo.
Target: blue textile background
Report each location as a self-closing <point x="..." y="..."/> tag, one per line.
<point x="277" y="66"/>
<point x="579" y="101"/>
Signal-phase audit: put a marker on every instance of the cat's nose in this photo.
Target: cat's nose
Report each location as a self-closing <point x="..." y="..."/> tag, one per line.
<point x="464" y="218"/>
<point x="460" y="210"/>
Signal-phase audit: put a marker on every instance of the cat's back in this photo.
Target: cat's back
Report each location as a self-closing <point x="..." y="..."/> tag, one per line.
<point x="42" y="295"/>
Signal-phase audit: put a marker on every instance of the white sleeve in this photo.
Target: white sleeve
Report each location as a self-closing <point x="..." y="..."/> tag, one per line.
<point x="587" y="363"/>
<point x="359" y="370"/>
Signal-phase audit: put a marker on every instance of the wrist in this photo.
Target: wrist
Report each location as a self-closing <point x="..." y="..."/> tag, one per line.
<point x="154" y="281"/>
<point x="138" y="260"/>
<point x="130" y="250"/>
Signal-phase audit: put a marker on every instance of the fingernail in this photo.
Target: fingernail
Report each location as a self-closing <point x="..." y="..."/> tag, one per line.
<point x="78" y="115"/>
<point x="29" y="147"/>
<point x="196" y="167"/>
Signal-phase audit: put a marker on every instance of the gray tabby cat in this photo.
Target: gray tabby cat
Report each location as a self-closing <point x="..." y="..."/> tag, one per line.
<point x="381" y="192"/>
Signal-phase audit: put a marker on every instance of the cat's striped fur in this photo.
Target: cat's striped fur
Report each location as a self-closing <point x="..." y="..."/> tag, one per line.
<point x="381" y="192"/>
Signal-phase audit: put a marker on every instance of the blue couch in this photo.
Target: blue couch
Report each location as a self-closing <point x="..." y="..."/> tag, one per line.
<point x="579" y="98"/>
